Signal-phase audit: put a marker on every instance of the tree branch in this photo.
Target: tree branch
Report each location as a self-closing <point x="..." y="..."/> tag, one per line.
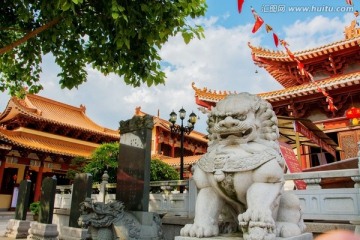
<point x="30" y="35"/>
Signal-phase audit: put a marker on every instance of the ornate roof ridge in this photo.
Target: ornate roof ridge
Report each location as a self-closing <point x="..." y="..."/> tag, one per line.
<point x="209" y="91"/>
<point x="264" y="52"/>
<point x="310" y="86"/>
<point x="326" y="83"/>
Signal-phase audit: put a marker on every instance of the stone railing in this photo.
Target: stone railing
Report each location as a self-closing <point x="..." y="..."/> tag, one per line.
<point x="63" y="195"/>
<point x="165" y="197"/>
<point x="334" y="205"/>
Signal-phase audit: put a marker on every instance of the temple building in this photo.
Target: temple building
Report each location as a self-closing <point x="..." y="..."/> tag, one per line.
<point x="323" y="105"/>
<point x="39" y="137"/>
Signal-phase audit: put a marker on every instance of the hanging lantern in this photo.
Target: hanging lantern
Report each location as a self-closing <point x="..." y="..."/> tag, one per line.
<point x="357" y="112"/>
<point x="351" y="113"/>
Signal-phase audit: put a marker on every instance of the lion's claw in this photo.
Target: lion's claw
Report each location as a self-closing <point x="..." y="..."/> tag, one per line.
<point x="194" y="230"/>
<point x="260" y="216"/>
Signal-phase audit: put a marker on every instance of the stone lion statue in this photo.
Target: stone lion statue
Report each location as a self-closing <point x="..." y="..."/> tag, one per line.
<point x="243" y="171"/>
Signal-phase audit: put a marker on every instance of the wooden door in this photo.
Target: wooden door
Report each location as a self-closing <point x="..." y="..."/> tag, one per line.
<point x="348" y="143"/>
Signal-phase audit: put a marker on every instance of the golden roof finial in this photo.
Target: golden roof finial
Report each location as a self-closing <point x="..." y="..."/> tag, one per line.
<point x="352" y="31"/>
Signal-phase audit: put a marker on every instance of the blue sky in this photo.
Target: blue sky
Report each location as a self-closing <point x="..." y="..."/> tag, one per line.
<point x="221" y="61"/>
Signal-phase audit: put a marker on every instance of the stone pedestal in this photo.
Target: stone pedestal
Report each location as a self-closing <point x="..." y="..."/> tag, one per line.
<point x="304" y="236"/>
<point x="43" y="231"/>
<point x="71" y="233"/>
<point x="17" y="229"/>
<point x="150" y="225"/>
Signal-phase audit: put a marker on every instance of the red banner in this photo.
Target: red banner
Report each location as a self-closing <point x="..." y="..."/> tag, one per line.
<point x="298" y="127"/>
<point x="292" y="163"/>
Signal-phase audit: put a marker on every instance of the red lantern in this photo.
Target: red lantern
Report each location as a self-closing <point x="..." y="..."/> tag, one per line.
<point x="357" y="112"/>
<point x="351" y="113"/>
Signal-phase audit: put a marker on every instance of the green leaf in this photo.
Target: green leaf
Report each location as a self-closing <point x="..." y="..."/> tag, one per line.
<point x="187" y="37"/>
<point x="115" y="15"/>
<point x="66" y="6"/>
<point x="127" y="43"/>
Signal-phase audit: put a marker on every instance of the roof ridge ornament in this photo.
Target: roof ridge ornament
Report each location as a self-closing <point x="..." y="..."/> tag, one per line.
<point x="30" y="105"/>
<point x="352" y="31"/>
<point x="82" y="108"/>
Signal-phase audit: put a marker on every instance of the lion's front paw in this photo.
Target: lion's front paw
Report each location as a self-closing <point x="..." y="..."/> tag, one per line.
<point x="194" y="230"/>
<point x="261" y="217"/>
<point x="257" y="224"/>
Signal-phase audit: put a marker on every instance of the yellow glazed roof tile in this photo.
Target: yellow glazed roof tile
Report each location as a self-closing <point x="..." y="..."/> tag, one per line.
<point x="46" y="142"/>
<point x="55" y="112"/>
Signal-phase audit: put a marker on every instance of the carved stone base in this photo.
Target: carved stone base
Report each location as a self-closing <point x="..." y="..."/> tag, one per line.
<point x="71" y="233"/>
<point x="304" y="236"/>
<point x="17" y="229"/>
<point x="42" y="231"/>
<point x="149" y="227"/>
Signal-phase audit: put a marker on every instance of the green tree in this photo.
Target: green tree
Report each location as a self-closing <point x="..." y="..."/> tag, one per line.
<point x="103" y="158"/>
<point x="160" y="171"/>
<point x="113" y="36"/>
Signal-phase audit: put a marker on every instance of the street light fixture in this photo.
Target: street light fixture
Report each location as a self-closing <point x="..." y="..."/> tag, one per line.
<point x="181" y="130"/>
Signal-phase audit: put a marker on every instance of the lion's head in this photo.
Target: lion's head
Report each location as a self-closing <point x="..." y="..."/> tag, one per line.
<point x="242" y="118"/>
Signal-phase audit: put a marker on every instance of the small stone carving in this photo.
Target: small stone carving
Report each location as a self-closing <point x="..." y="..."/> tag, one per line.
<point x="243" y="170"/>
<point x="108" y="221"/>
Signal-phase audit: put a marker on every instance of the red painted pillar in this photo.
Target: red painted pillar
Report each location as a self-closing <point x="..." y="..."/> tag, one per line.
<point x="303" y="158"/>
<point x="2" y="169"/>
<point x="38" y="182"/>
<point x="173" y="150"/>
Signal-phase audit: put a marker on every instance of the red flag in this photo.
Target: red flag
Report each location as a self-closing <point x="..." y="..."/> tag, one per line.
<point x="291" y="55"/>
<point x="350" y="2"/>
<point x="258" y="21"/>
<point x="268" y="28"/>
<point x="300" y="66"/>
<point x="240" y="4"/>
<point x="284" y="43"/>
<point x="276" y="40"/>
<point x="331" y="105"/>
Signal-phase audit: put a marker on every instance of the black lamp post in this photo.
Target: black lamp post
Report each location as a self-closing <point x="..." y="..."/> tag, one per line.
<point x="181" y="130"/>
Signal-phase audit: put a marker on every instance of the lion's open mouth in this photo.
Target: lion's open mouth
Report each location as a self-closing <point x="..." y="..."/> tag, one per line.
<point x="237" y="134"/>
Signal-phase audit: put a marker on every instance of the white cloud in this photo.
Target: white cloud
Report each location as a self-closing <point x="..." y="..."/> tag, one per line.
<point x="206" y="22"/>
<point x="315" y="32"/>
<point x="221" y="61"/>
